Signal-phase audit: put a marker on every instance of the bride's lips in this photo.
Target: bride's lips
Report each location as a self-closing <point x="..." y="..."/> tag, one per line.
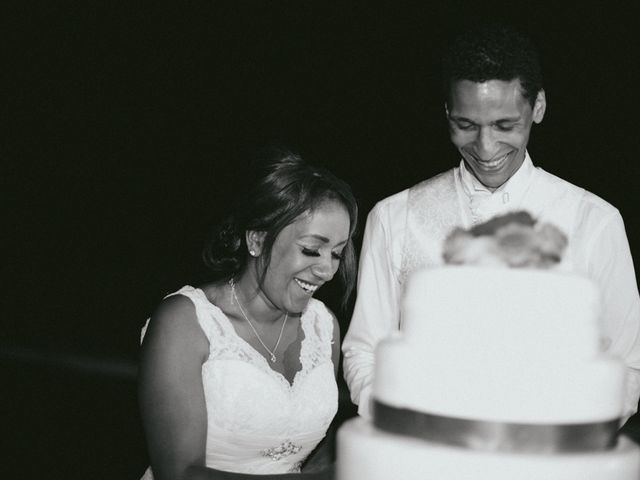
<point x="308" y="288"/>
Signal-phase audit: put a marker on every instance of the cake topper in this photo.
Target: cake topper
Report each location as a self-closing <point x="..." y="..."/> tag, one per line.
<point x="513" y="240"/>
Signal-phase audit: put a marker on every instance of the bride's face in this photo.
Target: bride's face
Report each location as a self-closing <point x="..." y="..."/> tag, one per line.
<point x="305" y="255"/>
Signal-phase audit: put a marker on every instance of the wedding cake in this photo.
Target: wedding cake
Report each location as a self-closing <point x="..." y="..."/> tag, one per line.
<point x="497" y="373"/>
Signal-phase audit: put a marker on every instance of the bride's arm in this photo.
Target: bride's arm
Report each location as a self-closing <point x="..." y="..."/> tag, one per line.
<point x="170" y="389"/>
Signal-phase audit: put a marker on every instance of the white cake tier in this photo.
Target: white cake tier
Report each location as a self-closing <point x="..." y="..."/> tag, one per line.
<point x="497" y="314"/>
<point x="500" y="345"/>
<point x="582" y="392"/>
<point x="366" y="453"/>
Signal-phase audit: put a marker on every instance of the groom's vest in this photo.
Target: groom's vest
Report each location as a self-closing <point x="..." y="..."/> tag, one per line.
<point x="435" y="207"/>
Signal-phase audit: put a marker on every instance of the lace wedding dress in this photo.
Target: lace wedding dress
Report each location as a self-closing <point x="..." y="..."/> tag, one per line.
<point x="257" y="421"/>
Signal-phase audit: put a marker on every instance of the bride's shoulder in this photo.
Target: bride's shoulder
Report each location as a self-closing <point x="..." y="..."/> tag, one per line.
<point x="324" y="319"/>
<point x="174" y="323"/>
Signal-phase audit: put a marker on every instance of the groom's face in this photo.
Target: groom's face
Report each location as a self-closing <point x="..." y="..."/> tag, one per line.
<point x="490" y="123"/>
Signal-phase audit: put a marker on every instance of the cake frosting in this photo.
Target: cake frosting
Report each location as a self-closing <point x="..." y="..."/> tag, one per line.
<point x="369" y="453"/>
<point x="497" y="371"/>
<point x="502" y="345"/>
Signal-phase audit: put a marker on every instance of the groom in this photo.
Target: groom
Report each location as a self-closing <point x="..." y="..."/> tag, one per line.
<point x="493" y="96"/>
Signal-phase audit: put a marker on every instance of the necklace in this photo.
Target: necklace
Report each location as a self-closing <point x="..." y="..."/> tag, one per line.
<point x="272" y="353"/>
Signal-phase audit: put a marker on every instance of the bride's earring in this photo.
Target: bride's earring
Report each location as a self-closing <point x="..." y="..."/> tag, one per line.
<point x="254" y="242"/>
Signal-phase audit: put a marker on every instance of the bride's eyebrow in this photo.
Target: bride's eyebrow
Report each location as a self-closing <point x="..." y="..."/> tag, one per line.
<point x="321" y="238"/>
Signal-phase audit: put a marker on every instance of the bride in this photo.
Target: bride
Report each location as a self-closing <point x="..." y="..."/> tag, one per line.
<point x="238" y="375"/>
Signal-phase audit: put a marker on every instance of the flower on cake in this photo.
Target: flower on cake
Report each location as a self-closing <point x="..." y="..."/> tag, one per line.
<point x="514" y="240"/>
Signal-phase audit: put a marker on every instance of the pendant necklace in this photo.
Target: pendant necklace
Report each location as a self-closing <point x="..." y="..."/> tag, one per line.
<point x="272" y="353"/>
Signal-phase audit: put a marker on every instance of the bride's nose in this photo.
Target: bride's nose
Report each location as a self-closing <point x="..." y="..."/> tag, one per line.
<point x="324" y="268"/>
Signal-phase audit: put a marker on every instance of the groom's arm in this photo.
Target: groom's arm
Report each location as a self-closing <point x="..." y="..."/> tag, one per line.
<point x="376" y="312"/>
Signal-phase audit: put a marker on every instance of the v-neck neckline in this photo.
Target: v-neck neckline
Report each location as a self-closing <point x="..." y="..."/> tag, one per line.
<point x="253" y="352"/>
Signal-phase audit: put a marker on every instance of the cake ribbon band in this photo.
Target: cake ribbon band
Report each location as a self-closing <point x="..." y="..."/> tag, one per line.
<point x="497" y="436"/>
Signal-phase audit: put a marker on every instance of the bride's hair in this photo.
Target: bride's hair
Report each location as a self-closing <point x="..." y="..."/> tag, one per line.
<point x="286" y="188"/>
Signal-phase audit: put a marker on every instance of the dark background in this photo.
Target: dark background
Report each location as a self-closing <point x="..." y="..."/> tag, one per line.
<point x="124" y="130"/>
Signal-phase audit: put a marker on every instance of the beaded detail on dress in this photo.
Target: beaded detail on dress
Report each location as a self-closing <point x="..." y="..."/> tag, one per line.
<point x="283" y="450"/>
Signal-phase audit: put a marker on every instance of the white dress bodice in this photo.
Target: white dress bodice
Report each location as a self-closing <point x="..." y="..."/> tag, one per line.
<point x="257" y="422"/>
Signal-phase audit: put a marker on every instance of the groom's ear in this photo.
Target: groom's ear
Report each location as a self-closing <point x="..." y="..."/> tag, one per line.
<point x="539" y="107"/>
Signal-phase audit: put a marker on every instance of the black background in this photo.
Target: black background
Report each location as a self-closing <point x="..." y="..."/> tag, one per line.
<point x="124" y="129"/>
